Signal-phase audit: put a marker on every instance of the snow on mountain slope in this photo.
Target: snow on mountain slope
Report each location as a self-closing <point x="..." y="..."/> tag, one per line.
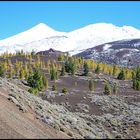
<point x="61" y="43"/>
<point x="123" y="52"/>
<point x="38" y="32"/>
<point x="41" y="37"/>
<point x="96" y="34"/>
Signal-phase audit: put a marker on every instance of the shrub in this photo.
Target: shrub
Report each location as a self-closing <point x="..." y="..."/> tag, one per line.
<point x="33" y="91"/>
<point x="63" y="71"/>
<point x="61" y="57"/>
<point x="1" y="71"/>
<point x="64" y="90"/>
<point x="98" y="69"/>
<point x="54" y="87"/>
<point x="35" y="81"/>
<point x="91" y="85"/>
<point x="45" y="82"/>
<point x="107" y="89"/>
<point x="70" y="67"/>
<point x="54" y="74"/>
<point x="86" y="69"/>
<point x="121" y="75"/>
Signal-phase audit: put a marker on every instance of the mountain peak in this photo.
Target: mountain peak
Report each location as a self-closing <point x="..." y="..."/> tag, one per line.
<point x="42" y="37"/>
<point x="102" y="25"/>
<point x="37" y="32"/>
<point x="42" y="27"/>
<point x="41" y="24"/>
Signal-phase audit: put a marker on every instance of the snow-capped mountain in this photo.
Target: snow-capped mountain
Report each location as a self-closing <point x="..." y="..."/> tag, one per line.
<point x="37" y="32"/>
<point x="122" y="52"/>
<point x="41" y="37"/>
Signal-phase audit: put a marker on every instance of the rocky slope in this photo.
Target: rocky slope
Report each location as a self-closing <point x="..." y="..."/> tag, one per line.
<point x="16" y="124"/>
<point x="123" y="52"/>
<point x="51" y="52"/>
<point x="37" y="118"/>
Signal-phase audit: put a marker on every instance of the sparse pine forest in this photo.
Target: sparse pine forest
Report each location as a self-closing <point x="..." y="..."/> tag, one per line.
<point x="43" y="72"/>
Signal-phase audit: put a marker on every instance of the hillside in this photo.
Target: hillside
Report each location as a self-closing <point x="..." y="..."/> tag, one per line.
<point x="31" y="117"/>
<point x="76" y="112"/>
<point x="123" y="52"/>
<point x="17" y="119"/>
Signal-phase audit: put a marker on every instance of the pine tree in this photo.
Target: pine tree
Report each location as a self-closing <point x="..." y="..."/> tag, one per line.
<point x="63" y="71"/>
<point x="73" y="69"/>
<point x="22" y="74"/>
<point x="26" y="75"/>
<point x="30" y="70"/>
<point x="134" y="83"/>
<point x="98" y="69"/>
<point x="70" y="66"/>
<point x="54" y="74"/>
<point x="64" y="90"/>
<point x="32" y="53"/>
<point x="136" y="78"/>
<point x="138" y="85"/>
<point x="45" y="82"/>
<point x="30" y="59"/>
<point x="48" y="69"/>
<point x="11" y="73"/>
<point x="54" y="87"/>
<point x="91" y="85"/>
<point x="60" y="57"/>
<point x="107" y="89"/>
<point x="133" y="74"/>
<point x="33" y="91"/>
<point x="5" y="66"/>
<point x="35" y="81"/>
<point x="38" y="79"/>
<point x="1" y="71"/>
<point x="121" y="75"/>
<point x="114" y="70"/>
<point x="138" y="73"/>
<point x="86" y="69"/>
<point x="4" y="73"/>
<point x="67" y="67"/>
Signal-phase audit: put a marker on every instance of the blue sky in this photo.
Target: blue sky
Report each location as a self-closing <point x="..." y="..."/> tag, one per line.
<point x="16" y="17"/>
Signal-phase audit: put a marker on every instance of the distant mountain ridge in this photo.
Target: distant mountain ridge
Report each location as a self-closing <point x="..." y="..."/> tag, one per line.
<point x="123" y="52"/>
<point x="51" y="52"/>
<point x="41" y="37"/>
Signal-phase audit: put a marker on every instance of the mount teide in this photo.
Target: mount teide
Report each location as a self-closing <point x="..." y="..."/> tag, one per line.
<point x="41" y="37"/>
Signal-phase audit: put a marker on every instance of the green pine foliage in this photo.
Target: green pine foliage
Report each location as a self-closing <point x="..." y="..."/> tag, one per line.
<point x="64" y="90"/>
<point x="114" y="70"/>
<point x="91" y="85"/>
<point x="70" y="67"/>
<point x="33" y="91"/>
<point x="98" y="69"/>
<point x="63" y="71"/>
<point x="35" y="81"/>
<point x="136" y="79"/>
<point x="54" y="74"/>
<point x="60" y="57"/>
<point x="86" y="69"/>
<point x="2" y="71"/>
<point x="54" y="87"/>
<point x="107" y="89"/>
<point x="45" y="82"/>
<point x="121" y="75"/>
<point x="22" y="74"/>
